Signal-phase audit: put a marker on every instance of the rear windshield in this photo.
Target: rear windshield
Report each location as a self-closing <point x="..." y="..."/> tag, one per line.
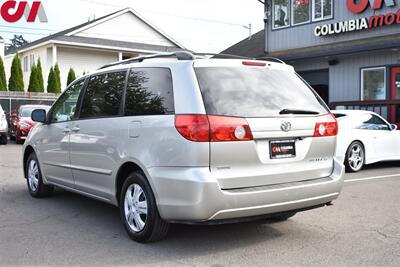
<point x="255" y="92"/>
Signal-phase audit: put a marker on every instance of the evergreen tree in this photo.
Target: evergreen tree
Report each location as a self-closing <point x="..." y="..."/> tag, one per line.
<point x="71" y="76"/>
<point x="3" y="81"/>
<point x="40" y="76"/>
<point x="16" y="82"/>
<point x="34" y="80"/>
<point x="51" y="81"/>
<point x="58" y="79"/>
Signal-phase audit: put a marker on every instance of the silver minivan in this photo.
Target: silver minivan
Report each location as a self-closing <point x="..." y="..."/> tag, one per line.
<point x="179" y="138"/>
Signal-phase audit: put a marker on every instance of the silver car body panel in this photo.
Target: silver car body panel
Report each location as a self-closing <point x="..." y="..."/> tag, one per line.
<point x="3" y="122"/>
<point x="191" y="181"/>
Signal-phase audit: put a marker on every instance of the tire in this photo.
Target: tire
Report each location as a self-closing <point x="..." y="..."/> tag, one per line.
<point x="139" y="213"/>
<point x="12" y="138"/>
<point x="281" y="217"/>
<point x="18" y="139"/>
<point x="355" y="157"/>
<point x="3" y="140"/>
<point x="34" y="180"/>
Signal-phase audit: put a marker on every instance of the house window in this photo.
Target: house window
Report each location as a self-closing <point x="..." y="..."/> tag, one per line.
<point x="288" y="13"/>
<point x="300" y="11"/>
<point x="373" y="83"/>
<point x="32" y="60"/>
<point x="281" y="17"/>
<point x="322" y="9"/>
<point x="26" y="64"/>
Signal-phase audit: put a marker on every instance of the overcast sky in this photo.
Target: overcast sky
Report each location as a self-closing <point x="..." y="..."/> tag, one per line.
<point x="200" y="25"/>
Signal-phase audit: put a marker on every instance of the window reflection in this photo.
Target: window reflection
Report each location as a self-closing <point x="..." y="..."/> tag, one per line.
<point x="149" y="92"/>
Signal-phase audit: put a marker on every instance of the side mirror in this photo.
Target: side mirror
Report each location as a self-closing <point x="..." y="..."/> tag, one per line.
<point x="393" y="127"/>
<point x="39" y="115"/>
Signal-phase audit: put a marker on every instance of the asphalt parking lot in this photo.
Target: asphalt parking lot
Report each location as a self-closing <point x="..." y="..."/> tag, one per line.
<point x="361" y="229"/>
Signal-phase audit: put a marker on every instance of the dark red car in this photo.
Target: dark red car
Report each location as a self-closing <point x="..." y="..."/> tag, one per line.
<point x="21" y="122"/>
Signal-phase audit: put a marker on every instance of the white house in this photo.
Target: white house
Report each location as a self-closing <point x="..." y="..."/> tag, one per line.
<point x="86" y="47"/>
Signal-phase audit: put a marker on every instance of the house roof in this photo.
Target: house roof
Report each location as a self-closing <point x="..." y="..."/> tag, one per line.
<point x="65" y="35"/>
<point x="254" y="48"/>
<point x="112" y="44"/>
<point x="250" y="47"/>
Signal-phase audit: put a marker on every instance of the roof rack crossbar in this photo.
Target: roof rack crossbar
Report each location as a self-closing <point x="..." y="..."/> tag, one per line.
<point x="180" y="55"/>
<point x="272" y="58"/>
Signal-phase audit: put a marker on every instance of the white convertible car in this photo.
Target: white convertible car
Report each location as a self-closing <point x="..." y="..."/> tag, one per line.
<point x="365" y="138"/>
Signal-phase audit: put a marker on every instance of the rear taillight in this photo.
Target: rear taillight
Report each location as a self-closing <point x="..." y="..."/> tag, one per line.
<point x="225" y="129"/>
<point x="193" y="127"/>
<point x="203" y="128"/>
<point x="326" y="126"/>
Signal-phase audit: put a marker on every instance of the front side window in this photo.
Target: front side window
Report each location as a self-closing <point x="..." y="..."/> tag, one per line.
<point x="373" y="83"/>
<point x="372" y="122"/>
<point x="103" y="95"/>
<point x="149" y="92"/>
<point x="281" y="13"/>
<point x="64" y="109"/>
<point x="300" y="11"/>
<point x="322" y="9"/>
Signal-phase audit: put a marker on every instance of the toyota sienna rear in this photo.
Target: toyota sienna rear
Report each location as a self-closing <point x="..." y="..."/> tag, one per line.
<point x="192" y="140"/>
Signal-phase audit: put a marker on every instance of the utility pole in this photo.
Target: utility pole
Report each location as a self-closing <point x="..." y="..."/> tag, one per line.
<point x="249" y="28"/>
<point x="267" y="16"/>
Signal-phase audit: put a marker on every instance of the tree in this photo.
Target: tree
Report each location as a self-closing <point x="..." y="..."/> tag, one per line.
<point x="34" y="80"/>
<point x="51" y="81"/>
<point x="71" y="76"/>
<point x="40" y="76"/>
<point x="17" y="42"/>
<point x="3" y="81"/>
<point x="16" y="82"/>
<point x="58" y="79"/>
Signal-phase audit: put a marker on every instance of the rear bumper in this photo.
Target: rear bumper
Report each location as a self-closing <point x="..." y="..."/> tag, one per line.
<point x="193" y="195"/>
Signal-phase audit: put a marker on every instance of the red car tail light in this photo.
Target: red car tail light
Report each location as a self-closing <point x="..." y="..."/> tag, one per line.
<point x="194" y="128"/>
<point x="326" y="126"/>
<point x="203" y="128"/>
<point x="225" y="129"/>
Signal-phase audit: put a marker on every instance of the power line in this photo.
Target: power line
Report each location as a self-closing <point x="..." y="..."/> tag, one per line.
<point x="27" y="28"/>
<point x="166" y="14"/>
<point x="31" y="33"/>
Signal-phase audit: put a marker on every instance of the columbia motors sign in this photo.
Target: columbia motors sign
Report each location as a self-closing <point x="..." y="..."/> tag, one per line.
<point x="13" y="11"/>
<point x="358" y="7"/>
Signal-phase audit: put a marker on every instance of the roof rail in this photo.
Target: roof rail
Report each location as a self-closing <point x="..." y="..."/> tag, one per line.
<point x="227" y="56"/>
<point x="180" y="55"/>
<point x="272" y="58"/>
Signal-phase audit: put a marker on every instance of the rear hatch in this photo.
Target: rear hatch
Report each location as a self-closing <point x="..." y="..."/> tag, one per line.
<point x="293" y="134"/>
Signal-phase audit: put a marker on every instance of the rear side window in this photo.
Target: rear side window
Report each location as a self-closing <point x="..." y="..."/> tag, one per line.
<point x="149" y="92"/>
<point x="103" y="95"/>
<point x="254" y="92"/>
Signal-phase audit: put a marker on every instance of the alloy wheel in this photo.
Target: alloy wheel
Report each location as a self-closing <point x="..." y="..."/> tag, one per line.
<point x="356" y="157"/>
<point x="135" y="207"/>
<point x="33" y="175"/>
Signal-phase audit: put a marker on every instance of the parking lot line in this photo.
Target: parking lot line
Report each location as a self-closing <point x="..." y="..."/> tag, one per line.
<point x="372" y="178"/>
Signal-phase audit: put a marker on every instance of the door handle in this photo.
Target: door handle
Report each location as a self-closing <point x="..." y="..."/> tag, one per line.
<point x="76" y="129"/>
<point x="66" y="130"/>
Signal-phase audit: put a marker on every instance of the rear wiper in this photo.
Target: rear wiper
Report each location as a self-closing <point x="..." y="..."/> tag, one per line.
<point x="298" y="111"/>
